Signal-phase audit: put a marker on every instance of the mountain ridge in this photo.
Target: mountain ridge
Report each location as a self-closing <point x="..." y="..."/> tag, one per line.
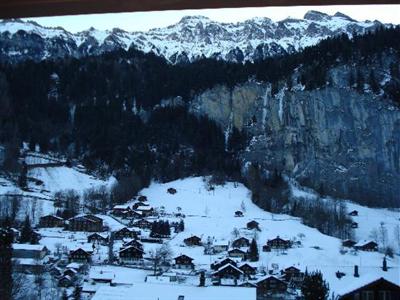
<point x="192" y="38"/>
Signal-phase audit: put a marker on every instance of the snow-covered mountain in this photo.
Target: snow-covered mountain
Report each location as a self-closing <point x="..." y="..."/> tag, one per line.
<point x="191" y="38"/>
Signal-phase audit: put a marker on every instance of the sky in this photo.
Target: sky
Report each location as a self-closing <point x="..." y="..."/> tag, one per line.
<point x="143" y="21"/>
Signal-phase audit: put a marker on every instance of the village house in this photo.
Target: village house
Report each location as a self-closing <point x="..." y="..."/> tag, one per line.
<point x="183" y="262"/>
<point x="125" y="233"/>
<point x="121" y="210"/>
<point x="227" y="275"/>
<point x="240" y="242"/>
<point x="252" y="225"/>
<point x="348" y="243"/>
<point x="279" y="243"/>
<point x="143" y="224"/>
<point x="220" y="246"/>
<point x="366" y="246"/>
<point x="294" y="275"/>
<point x="270" y="285"/>
<point x="51" y="221"/>
<point x="100" y="238"/>
<point x="238" y="213"/>
<point x="80" y="255"/>
<point x="70" y="272"/>
<point x="220" y="263"/>
<point x="145" y="210"/>
<point x="130" y="254"/>
<point x="193" y="241"/>
<point x="29" y="251"/>
<point x="248" y="270"/>
<point x="65" y="281"/>
<point x="237" y="253"/>
<point x="89" y="223"/>
<point x="378" y="289"/>
<point x="353" y="213"/>
<point x="266" y="248"/>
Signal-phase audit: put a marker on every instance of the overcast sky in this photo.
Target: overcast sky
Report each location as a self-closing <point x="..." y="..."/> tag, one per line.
<point x="142" y="21"/>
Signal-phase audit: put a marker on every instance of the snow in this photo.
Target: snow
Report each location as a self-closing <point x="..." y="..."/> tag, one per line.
<point x="154" y="291"/>
<point x="28" y="247"/>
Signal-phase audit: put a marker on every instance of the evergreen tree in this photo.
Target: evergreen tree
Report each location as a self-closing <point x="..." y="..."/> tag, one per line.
<point x="253" y="251"/>
<point x="64" y="295"/>
<point x="181" y="225"/>
<point x="76" y="295"/>
<point x="6" y="279"/>
<point x="26" y="232"/>
<point x="202" y="279"/>
<point x="373" y="82"/>
<point x="314" y="287"/>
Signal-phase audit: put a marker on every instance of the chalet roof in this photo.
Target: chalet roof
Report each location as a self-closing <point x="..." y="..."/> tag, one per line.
<point x="253" y="222"/>
<point x="364" y="243"/>
<point x="122" y="206"/>
<point x="183" y="256"/>
<point x="246" y="264"/>
<point x="242" y="238"/>
<point x="84" y="249"/>
<point x="91" y="218"/>
<point x="193" y="237"/>
<point x="278" y="238"/>
<point x="126" y="229"/>
<point x="143" y="208"/>
<point x="357" y="285"/>
<point x="102" y="235"/>
<point x="73" y="265"/>
<point x="227" y="266"/>
<point x="29" y="247"/>
<point x="236" y="250"/>
<point x="268" y="277"/>
<point x="52" y="216"/>
<point x="130" y="247"/>
<point x="292" y="267"/>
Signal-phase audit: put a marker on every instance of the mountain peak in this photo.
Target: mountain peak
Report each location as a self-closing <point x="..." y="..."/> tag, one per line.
<point x="195" y="19"/>
<point x="343" y="16"/>
<point x="314" y="15"/>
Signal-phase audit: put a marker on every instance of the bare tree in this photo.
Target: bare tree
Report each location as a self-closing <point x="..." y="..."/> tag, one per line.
<point x="235" y="232"/>
<point x="160" y="256"/>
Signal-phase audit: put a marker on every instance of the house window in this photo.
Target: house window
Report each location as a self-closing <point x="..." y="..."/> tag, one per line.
<point x="385" y="295"/>
<point x="368" y="295"/>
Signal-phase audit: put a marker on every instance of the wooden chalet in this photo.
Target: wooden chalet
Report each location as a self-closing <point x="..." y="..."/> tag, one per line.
<point x="353" y="213"/>
<point x="89" y="223"/>
<point x="51" y="221"/>
<point x="70" y="272"/>
<point x="193" y="241"/>
<point x="237" y="253"/>
<point x="248" y="270"/>
<point x="240" y="242"/>
<point x="348" y="243"/>
<point x="379" y="289"/>
<point x="65" y="281"/>
<point x="266" y="248"/>
<point x="130" y="254"/>
<point x="238" y="213"/>
<point x="80" y="255"/>
<point x="228" y="272"/>
<point x="270" y="285"/>
<point x="279" y="243"/>
<point x="121" y="210"/>
<point x="218" y="264"/>
<point x="183" y="262"/>
<point x="253" y="225"/>
<point x="370" y="246"/>
<point x="29" y="251"/>
<point x="293" y="274"/>
<point x="143" y="224"/>
<point x="145" y="210"/>
<point x="125" y="233"/>
<point x="220" y="246"/>
<point x="99" y="238"/>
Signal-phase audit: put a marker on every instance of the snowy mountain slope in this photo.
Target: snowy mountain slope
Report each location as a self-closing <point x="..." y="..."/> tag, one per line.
<point x="191" y="38"/>
<point x="211" y="213"/>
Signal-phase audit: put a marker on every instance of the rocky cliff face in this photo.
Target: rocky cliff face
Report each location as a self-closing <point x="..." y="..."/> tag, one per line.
<point x="334" y="139"/>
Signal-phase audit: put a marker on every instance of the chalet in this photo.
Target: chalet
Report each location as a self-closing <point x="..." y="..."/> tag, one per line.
<point x="238" y="213"/>
<point x="125" y="233"/>
<point x="100" y="238"/>
<point x="279" y="243"/>
<point x="134" y="243"/>
<point x="171" y="191"/>
<point x="293" y="274"/>
<point x="183" y="262"/>
<point x="70" y="272"/>
<point x="252" y="225"/>
<point x="192" y="241"/>
<point x="380" y="289"/>
<point x="145" y="210"/>
<point x="270" y="285"/>
<point x="228" y="272"/>
<point x="220" y="246"/>
<point x="241" y="242"/>
<point x="56" y="271"/>
<point x="28" y="265"/>
<point x="121" y="210"/>
<point x="220" y="263"/>
<point x="80" y="255"/>
<point x="348" y="243"/>
<point x="353" y="213"/>
<point x="65" y="281"/>
<point x="89" y="223"/>
<point x="51" y="221"/>
<point x="133" y="214"/>
<point x="130" y="254"/>
<point x="237" y="253"/>
<point x="248" y="270"/>
<point x="29" y="251"/>
<point x="144" y="224"/>
<point x="354" y="225"/>
<point x="366" y="246"/>
<point x="142" y="198"/>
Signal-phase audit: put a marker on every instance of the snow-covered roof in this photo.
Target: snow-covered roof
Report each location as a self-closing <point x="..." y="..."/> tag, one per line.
<point x="267" y="277"/>
<point x="102" y="275"/>
<point x="159" y="291"/>
<point x="28" y="247"/>
<point x="363" y="243"/>
<point x="360" y="282"/>
<point x="73" y="265"/>
<point x="122" y="206"/>
<point x="228" y="266"/>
